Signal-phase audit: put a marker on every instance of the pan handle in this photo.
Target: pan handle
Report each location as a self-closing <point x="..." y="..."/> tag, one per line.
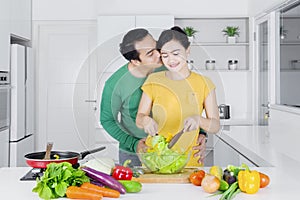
<point x="85" y="153"/>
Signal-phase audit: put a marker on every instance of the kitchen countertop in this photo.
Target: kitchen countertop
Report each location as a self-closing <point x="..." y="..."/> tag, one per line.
<point x="255" y="142"/>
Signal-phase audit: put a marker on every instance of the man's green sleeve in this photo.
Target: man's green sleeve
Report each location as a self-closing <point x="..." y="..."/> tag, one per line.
<point x="110" y="107"/>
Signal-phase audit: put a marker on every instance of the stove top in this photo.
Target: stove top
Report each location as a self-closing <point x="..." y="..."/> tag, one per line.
<point x="33" y="174"/>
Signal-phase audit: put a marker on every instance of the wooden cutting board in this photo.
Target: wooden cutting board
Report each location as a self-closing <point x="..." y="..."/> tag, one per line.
<point x="165" y="178"/>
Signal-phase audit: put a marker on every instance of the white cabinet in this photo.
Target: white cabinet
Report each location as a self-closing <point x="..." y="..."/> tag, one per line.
<point x="4" y="35"/>
<point x="111" y="27"/>
<point x="154" y="23"/>
<point x="30" y="93"/>
<point x="62" y="52"/>
<point x="15" y="19"/>
<point x="21" y="18"/>
<point x="223" y="154"/>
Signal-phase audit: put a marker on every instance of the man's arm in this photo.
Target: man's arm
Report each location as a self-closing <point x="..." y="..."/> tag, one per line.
<point x="110" y="107"/>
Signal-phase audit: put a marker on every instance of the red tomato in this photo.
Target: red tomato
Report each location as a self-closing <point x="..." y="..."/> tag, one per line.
<point x="264" y="180"/>
<point x="196" y="177"/>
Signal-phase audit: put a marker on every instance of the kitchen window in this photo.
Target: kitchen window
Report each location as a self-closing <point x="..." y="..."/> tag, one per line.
<point x="289" y="34"/>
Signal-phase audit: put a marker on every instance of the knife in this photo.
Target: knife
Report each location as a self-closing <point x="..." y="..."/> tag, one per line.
<point x="175" y="139"/>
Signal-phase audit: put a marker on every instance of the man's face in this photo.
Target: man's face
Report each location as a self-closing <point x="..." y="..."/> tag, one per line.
<point x="149" y="56"/>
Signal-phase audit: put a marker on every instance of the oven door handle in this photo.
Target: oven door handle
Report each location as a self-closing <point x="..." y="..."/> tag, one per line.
<point x="5" y="87"/>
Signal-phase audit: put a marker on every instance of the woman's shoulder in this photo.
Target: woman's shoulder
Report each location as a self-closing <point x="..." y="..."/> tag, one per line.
<point x="156" y="75"/>
<point x="200" y="78"/>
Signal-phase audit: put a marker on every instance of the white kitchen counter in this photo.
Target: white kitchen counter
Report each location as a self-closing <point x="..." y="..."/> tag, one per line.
<point x="262" y="146"/>
<point x="284" y="174"/>
<point x="281" y="187"/>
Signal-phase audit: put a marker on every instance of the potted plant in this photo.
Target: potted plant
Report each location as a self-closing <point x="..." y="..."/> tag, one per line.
<point x="190" y="32"/>
<point x="231" y="32"/>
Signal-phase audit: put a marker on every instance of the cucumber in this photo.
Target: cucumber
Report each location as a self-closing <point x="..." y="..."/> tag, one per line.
<point x="223" y="185"/>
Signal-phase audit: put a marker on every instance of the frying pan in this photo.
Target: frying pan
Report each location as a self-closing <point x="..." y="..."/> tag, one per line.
<point x="36" y="159"/>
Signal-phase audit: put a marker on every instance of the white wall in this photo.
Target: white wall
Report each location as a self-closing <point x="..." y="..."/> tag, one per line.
<point x="177" y="8"/>
<point x="89" y="9"/>
<point x="256" y="7"/>
<point x="63" y="10"/>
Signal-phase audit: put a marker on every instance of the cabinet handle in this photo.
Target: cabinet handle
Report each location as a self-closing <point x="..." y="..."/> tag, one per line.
<point x="266" y="105"/>
<point x="91" y="101"/>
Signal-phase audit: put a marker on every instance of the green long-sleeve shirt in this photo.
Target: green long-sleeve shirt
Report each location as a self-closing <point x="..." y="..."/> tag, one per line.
<point x="121" y="95"/>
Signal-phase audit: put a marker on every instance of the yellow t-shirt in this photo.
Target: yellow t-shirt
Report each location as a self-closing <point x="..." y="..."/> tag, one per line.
<point x="175" y="100"/>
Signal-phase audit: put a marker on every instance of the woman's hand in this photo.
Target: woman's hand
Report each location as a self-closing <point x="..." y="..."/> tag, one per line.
<point x="150" y="126"/>
<point x="191" y="123"/>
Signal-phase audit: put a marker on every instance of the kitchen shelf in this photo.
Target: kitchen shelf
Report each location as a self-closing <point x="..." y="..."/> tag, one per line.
<point x="289" y="43"/>
<point x="235" y="122"/>
<point x="289" y="70"/>
<point x="219" y="44"/>
<point x="225" y="70"/>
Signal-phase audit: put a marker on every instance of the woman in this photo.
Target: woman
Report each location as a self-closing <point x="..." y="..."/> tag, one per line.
<point x="177" y="97"/>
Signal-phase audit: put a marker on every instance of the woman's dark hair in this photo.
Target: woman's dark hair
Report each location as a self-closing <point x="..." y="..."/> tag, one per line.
<point x="175" y="33"/>
<point x="127" y="47"/>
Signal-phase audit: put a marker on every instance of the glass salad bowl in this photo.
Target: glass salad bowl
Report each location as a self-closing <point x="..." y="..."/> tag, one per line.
<point x="159" y="159"/>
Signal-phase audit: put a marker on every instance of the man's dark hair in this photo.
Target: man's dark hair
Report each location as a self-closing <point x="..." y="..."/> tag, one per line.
<point x="175" y="33"/>
<point x="127" y="47"/>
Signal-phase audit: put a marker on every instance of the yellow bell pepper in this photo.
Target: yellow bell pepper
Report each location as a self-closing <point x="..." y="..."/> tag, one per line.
<point x="249" y="181"/>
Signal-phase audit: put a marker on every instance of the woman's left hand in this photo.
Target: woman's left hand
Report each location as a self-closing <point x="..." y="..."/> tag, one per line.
<point x="191" y="123"/>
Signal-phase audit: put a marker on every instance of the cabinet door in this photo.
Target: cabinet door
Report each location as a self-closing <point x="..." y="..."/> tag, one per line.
<point x="154" y="23"/>
<point x="30" y="93"/>
<point x="4" y="35"/>
<point x="110" y="27"/>
<point x="62" y="74"/>
<point x="21" y="18"/>
<point x="18" y="112"/>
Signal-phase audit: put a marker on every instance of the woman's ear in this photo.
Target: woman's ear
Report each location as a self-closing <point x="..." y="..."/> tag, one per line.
<point x="188" y="51"/>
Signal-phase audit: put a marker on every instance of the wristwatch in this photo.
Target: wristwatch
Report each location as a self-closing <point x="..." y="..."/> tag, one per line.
<point x="202" y="132"/>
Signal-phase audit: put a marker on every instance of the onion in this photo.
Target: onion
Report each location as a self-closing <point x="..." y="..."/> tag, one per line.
<point x="210" y="183"/>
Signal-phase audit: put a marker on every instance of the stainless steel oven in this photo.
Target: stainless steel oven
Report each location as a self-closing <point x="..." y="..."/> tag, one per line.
<point x="5" y="89"/>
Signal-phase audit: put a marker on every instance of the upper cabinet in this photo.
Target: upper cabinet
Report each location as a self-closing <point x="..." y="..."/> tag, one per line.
<point x="15" y="20"/>
<point x="4" y="35"/>
<point x="20" y="18"/>
<point x="111" y="29"/>
<point x="211" y="49"/>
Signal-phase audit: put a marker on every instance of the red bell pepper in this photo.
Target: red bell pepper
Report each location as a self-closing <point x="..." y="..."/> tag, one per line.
<point x="122" y="172"/>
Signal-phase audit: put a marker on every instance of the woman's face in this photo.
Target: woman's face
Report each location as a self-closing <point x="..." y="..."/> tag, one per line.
<point x="174" y="56"/>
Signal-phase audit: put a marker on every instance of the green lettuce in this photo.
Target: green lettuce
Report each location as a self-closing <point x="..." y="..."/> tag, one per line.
<point x="161" y="159"/>
<point x="57" y="178"/>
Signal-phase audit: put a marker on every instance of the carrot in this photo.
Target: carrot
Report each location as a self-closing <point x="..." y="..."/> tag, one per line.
<point x="74" y="192"/>
<point x="106" y="192"/>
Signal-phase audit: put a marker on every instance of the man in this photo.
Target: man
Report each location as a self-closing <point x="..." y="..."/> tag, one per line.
<point x="122" y="93"/>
